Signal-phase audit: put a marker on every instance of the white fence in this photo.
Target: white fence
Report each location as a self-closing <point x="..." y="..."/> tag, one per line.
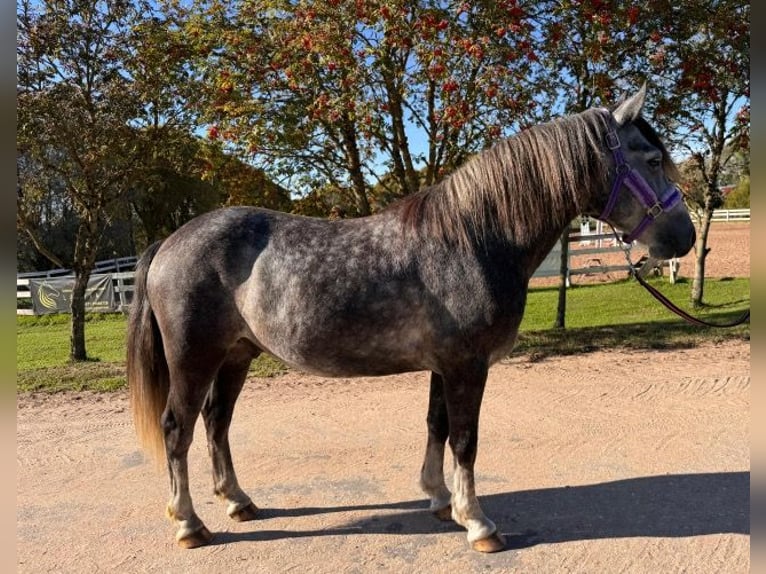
<point x="100" y="268"/>
<point x="593" y="244"/>
<point x="602" y="242"/>
<point x="122" y="282"/>
<point x="731" y="215"/>
<point x="121" y="270"/>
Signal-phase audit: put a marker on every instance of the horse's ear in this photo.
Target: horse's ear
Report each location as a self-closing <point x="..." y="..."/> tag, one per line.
<point x="630" y="109"/>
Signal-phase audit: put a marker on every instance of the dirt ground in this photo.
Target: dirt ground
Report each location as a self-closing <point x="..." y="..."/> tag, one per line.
<point x="610" y="461"/>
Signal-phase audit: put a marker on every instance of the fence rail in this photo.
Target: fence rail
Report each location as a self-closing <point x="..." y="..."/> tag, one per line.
<point x="731" y="215"/>
<point x="101" y="268"/>
<point x="598" y="243"/>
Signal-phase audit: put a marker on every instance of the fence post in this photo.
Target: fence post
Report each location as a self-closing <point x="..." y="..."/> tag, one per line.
<point x="561" y="310"/>
<point x="673" y="267"/>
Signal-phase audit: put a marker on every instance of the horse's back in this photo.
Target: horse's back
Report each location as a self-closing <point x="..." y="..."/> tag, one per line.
<point x="212" y="238"/>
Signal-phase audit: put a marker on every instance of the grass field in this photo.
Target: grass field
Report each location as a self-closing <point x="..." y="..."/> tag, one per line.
<point x="603" y="316"/>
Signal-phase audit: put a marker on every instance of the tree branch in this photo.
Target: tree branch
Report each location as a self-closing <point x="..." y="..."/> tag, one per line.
<point x="42" y="249"/>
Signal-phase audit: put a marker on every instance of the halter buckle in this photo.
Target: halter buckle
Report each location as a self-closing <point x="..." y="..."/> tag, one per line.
<point x="623" y="169"/>
<point x="654" y="211"/>
<point x="612" y="141"/>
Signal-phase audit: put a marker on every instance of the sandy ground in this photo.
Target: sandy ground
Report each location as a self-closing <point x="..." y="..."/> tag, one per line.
<point x="609" y="461"/>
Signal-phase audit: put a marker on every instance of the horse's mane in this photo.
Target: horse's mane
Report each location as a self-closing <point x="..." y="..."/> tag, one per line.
<point x="518" y="187"/>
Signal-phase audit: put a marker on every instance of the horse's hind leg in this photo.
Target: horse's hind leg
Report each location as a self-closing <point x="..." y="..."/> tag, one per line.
<point x="432" y="472"/>
<point x="187" y="392"/>
<point x="217" y="412"/>
<point x="463" y="391"/>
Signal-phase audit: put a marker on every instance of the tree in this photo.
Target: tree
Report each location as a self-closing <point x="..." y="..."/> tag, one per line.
<point x="703" y="68"/>
<point x="331" y="94"/>
<point x="74" y="137"/>
<point x="238" y="183"/>
<point x="170" y="184"/>
<point x="739" y="198"/>
<point x="179" y="175"/>
<point x="51" y="216"/>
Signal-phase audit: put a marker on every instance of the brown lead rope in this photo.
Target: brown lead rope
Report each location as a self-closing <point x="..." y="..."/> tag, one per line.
<point x="667" y="302"/>
<point x="683" y="314"/>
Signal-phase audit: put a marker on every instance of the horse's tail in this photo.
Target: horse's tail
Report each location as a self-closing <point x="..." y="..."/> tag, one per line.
<point x="147" y="368"/>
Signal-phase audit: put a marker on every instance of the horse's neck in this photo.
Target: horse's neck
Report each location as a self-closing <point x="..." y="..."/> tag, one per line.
<point x="527" y="257"/>
<point x="528" y="251"/>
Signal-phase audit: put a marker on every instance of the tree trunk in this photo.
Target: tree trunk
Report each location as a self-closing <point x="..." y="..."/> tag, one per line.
<point x="401" y="144"/>
<point x="701" y="251"/>
<point x="354" y="166"/>
<point x="563" y="274"/>
<point x="86" y="246"/>
<point x="77" y="351"/>
<point x="404" y="168"/>
<point x="431" y="167"/>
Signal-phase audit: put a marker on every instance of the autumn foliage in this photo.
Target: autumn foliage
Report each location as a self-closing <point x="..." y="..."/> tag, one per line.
<point x="335" y="90"/>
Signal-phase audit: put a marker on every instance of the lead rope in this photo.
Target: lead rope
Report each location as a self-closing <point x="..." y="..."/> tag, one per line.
<point x="667" y="302"/>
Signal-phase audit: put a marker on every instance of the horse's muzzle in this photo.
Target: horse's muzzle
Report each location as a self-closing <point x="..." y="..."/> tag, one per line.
<point x="677" y="244"/>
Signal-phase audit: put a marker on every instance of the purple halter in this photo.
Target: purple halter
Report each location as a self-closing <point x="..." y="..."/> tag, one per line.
<point x="637" y="185"/>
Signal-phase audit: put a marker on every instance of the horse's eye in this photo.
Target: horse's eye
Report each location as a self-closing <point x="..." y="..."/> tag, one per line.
<point x="655" y="162"/>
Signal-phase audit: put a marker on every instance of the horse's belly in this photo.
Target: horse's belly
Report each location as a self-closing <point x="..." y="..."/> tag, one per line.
<point x="341" y="363"/>
<point x="353" y="352"/>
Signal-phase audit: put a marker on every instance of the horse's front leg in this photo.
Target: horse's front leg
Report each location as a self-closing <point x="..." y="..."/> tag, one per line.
<point x="432" y="472"/>
<point x="463" y="391"/>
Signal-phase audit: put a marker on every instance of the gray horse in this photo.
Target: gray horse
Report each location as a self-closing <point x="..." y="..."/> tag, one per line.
<point x="435" y="282"/>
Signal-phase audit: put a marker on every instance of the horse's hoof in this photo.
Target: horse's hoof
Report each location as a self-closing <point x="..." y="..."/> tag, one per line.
<point x="444" y="514"/>
<point x="492" y="543"/>
<point x="245" y="513"/>
<point x="196" y="539"/>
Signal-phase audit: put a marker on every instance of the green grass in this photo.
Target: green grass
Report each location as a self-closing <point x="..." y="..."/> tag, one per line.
<point x="43" y="342"/>
<point x="613" y="315"/>
<point x="624" y="315"/>
<point x="626" y="302"/>
<point x="42" y="355"/>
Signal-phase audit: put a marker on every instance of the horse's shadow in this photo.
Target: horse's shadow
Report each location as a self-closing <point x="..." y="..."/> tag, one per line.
<point x="656" y="506"/>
